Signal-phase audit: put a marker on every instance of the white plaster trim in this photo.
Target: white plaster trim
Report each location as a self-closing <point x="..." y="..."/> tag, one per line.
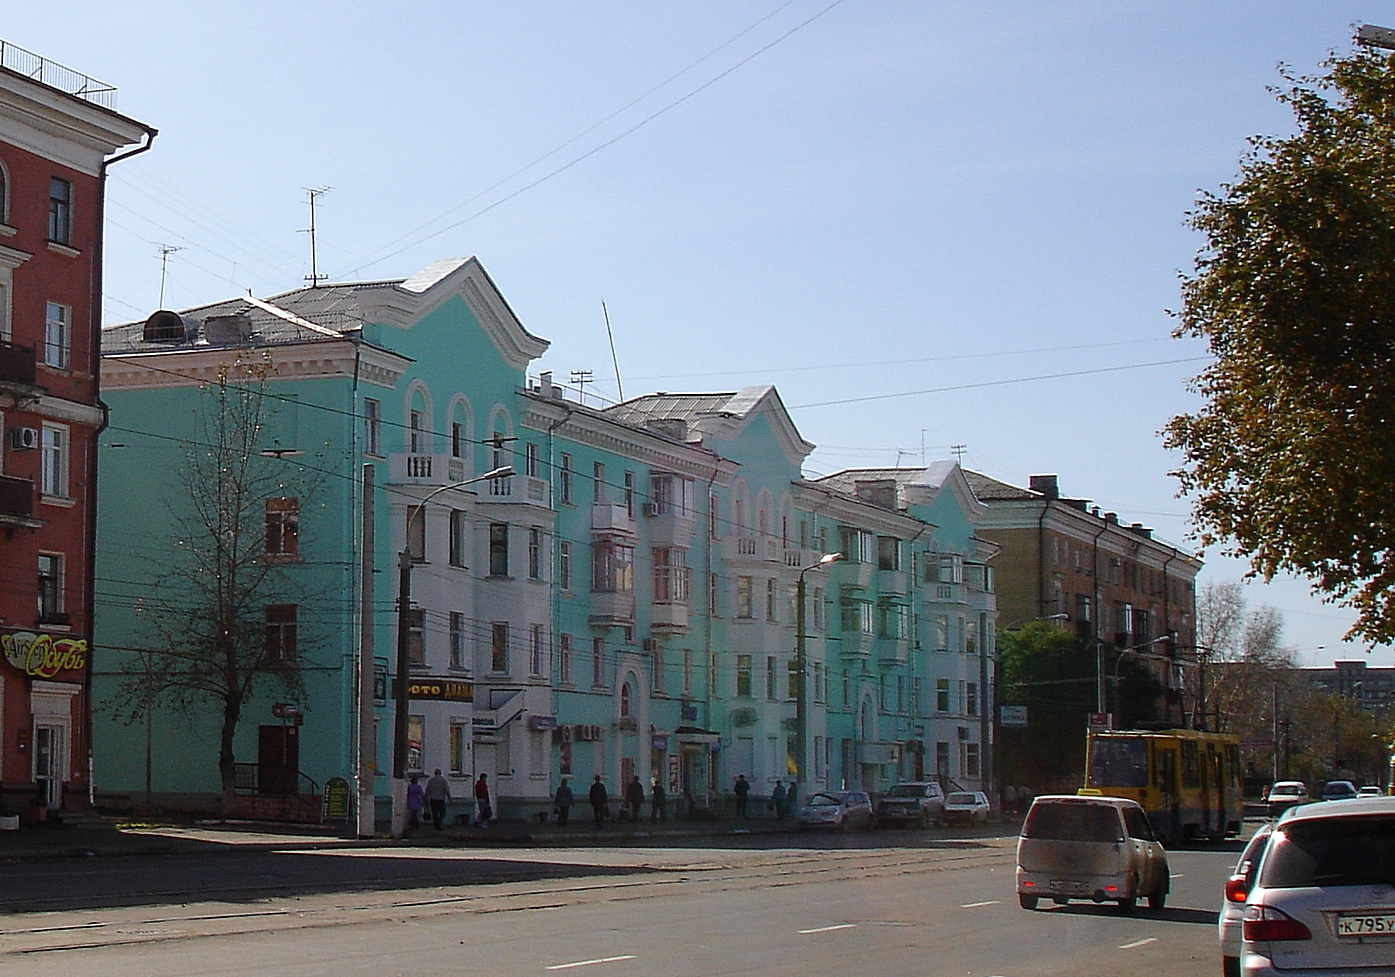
<point x="317" y="359"/>
<point x="61" y="127"/>
<point x="63" y="249"/>
<point x="57" y="409"/>
<point x="12" y="258"/>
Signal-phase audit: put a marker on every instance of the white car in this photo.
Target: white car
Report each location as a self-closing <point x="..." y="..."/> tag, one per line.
<point x="1237" y="888"/>
<point x="966" y="807"/>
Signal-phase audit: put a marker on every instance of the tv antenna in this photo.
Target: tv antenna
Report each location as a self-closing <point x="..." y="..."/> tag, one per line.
<point x="165" y="251"/>
<point x="581" y="378"/>
<point x="314" y="278"/>
<point x="615" y="361"/>
<point x="958" y="451"/>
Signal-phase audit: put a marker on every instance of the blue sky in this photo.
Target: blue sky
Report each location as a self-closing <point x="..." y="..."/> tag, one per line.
<point x="866" y="203"/>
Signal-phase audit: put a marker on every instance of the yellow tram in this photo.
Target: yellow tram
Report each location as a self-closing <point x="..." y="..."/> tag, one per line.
<point x="1188" y="781"/>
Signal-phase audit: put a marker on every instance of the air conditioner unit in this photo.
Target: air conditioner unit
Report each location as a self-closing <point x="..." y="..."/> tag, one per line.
<point x="651" y="509"/>
<point x="650" y="644"/>
<point x="24" y="438"/>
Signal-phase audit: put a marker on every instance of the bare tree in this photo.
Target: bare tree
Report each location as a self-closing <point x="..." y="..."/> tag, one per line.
<point x="219" y="637"/>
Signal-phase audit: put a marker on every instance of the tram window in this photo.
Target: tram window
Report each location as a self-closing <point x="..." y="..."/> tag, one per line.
<point x="1119" y="762"/>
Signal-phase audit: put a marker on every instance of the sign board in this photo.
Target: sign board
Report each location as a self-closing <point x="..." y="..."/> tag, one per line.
<point x="380" y="681"/>
<point x="54" y="657"/>
<point x="440" y="689"/>
<point x="335" y="806"/>
<point x="673" y="784"/>
<point x="1101" y="721"/>
<point x="1012" y="715"/>
<point x="542" y="722"/>
<point x="659" y="741"/>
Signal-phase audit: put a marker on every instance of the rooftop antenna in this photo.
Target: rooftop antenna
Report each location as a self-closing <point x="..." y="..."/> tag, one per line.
<point x="165" y="251"/>
<point x="314" y="278"/>
<point x="958" y="451"/>
<point x="613" y="358"/>
<point x="581" y="378"/>
<point x="922" y="447"/>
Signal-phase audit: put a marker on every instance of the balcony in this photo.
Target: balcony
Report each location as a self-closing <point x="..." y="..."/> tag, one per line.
<point x="669" y="618"/>
<point x="749" y="550"/>
<point x="612" y="607"/>
<point x="855" y="646"/>
<point x="17" y="372"/>
<point x="17" y="502"/>
<point x="893" y="651"/>
<point x="410" y="468"/>
<point x="524" y="489"/>
<point x="893" y="582"/>
<point x="611" y="519"/>
<point x="668" y="528"/>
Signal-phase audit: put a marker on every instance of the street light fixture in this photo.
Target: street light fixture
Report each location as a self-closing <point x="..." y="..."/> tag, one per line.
<point x="404" y="606"/>
<point x="801" y="667"/>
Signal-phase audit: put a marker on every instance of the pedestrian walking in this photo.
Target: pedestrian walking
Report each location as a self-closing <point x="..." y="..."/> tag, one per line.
<point x="658" y="803"/>
<point x="741" y="789"/>
<point x="437" y="793"/>
<point x="634" y="797"/>
<point x="563" y="803"/>
<point x="484" y="811"/>
<point x="777" y="800"/>
<point x="415" y="795"/>
<point x="599" y="799"/>
<point x="791" y="798"/>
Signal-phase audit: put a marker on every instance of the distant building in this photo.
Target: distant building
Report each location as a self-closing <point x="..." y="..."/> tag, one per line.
<point x="1372" y="687"/>
<point x="57" y="131"/>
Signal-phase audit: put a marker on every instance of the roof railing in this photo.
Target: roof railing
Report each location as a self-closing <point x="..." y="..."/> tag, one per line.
<point x="55" y="75"/>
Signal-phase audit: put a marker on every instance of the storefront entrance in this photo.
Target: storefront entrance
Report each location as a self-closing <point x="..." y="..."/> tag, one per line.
<point x="48" y="765"/>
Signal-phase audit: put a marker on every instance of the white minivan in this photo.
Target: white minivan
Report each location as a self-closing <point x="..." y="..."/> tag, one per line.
<point x="1089" y="847"/>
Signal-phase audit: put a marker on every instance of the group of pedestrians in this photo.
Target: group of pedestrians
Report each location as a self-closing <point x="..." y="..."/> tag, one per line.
<point x="599" y="799"/>
<point x="782" y="799"/>
<point x="436" y="793"/>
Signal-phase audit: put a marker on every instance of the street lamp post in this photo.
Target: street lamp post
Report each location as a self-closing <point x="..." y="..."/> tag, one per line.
<point x="401" y="683"/>
<point x="801" y="668"/>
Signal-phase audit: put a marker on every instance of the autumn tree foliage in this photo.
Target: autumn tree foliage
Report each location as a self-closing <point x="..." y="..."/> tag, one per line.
<point x="1290" y="459"/>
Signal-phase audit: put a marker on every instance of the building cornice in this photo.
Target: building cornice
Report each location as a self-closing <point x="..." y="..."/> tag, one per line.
<point x="291" y="361"/>
<point x="855" y="512"/>
<point x="61" y="127"/>
<point x="1084" y="527"/>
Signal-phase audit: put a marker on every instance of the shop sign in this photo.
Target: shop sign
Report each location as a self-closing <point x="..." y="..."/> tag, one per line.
<point x="659" y="741"/>
<point x="542" y="722"/>
<point x="336" y="800"/>
<point x="439" y="689"/>
<point x="43" y="655"/>
<point x="1012" y="715"/>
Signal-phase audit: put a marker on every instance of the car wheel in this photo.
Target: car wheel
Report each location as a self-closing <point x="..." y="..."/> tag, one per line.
<point x="1158" y="900"/>
<point x="923" y="821"/>
<point x="1026" y="901"/>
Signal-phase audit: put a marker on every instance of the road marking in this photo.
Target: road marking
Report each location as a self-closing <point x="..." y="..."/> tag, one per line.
<point x="976" y="905"/>
<point x="1138" y="943"/>
<point x="588" y="963"/>
<point x="828" y="929"/>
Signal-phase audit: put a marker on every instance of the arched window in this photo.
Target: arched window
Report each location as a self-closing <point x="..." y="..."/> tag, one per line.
<point x="626" y="700"/>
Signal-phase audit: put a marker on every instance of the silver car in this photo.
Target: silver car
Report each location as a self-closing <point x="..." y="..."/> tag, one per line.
<point x="841" y="809"/>
<point x="1237" y="889"/>
<point x="1323" y="902"/>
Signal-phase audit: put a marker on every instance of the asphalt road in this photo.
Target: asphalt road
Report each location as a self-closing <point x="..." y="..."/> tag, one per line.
<point x="893" y="903"/>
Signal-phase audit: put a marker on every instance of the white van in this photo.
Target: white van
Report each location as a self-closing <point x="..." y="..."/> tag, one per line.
<point x="1098" y="848"/>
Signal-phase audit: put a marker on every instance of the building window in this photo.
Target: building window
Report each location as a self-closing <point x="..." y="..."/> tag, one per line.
<point x="941" y="760"/>
<point x="942" y="695"/>
<point x="53" y="461"/>
<point x="970" y="759"/>
<point x="771" y="689"/>
<point x="58" y="335"/>
<point x="888" y="553"/>
<point x="499" y="647"/>
<point x="50" y="588"/>
<point x="942" y="632"/>
<point x="612" y="567"/>
<point x="564" y="565"/>
<point x="458" y="529"/>
<point x="530" y="459"/>
<point x="416" y="636"/>
<point x="372" y="427"/>
<point x="626" y="701"/>
<point x="534" y="553"/>
<point x="687" y="671"/>
<point x="416" y="741"/>
<point x="713" y="529"/>
<point x="951" y="568"/>
<point x="282" y="527"/>
<point x="60" y="211"/>
<point x="743" y="675"/>
<point x="818" y="614"/>
<point x="281" y="632"/>
<point x="630" y="493"/>
<point x="598" y="662"/>
<point x="857" y="545"/>
<point x="659" y="677"/>
<point x="770" y="599"/>
<point x="416" y="432"/>
<point x="498" y="549"/>
<point x="598" y="482"/>
<point x="416" y="533"/>
<point x="535" y="650"/>
<point x="457" y="439"/>
<point x="743" y="597"/>
<point x="792" y="679"/>
<point x="858" y="617"/>
<point x="971" y="698"/>
<point x="564" y="659"/>
<point x="714" y="592"/>
<point x="564" y="479"/>
<point x="670" y="575"/>
<point x="460" y="736"/>
<point x="457" y="640"/>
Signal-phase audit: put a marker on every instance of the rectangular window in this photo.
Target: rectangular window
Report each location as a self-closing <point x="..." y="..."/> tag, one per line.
<point x="971" y="759"/>
<point x="598" y="482"/>
<point x="818" y="610"/>
<point x="743" y="597"/>
<point x="535" y="650"/>
<point x="888" y="553"/>
<point x="858" y="616"/>
<point x="416" y="636"/>
<point x="792" y="680"/>
<point x="530" y="459"/>
<point x="457" y="439"/>
<point x="818" y="682"/>
<point x="743" y="675"/>
<point x="942" y="695"/>
<point x="416" y="741"/>
<point x="564" y="565"/>
<point x="942" y="632"/>
<point x="630" y="493"/>
<point x="659" y="664"/>
<point x="713" y="528"/>
<point x="416" y="533"/>
<point x="971" y="698"/>
<point x="499" y="647"/>
<point x="457" y="640"/>
<point x="564" y="659"/>
<point x="60" y="211"/>
<point x="714" y="595"/>
<point x="534" y="553"/>
<point x="372" y="427"/>
<point x="612" y="567"/>
<point x="598" y="662"/>
<point x="282" y="536"/>
<point x="770" y="599"/>
<point x="971" y="636"/>
<point x="460" y="736"/>
<point x="58" y="335"/>
<point x="50" y="588"/>
<point x="281" y="632"/>
<point x="771" y="689"/>
<point x="498" y="549"/>
<point x="951" y="568"/>
<point x="687" y="671"/>
<point x="53" y="461"/>
<point x="670" y="575"/>
<point x="458" y="526"/>
<point x="941" y="760"/>
<point x="564" y="480"/>
<point x="416" y="432"/>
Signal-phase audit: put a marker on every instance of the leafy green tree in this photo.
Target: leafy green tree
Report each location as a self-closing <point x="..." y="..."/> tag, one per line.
<point x="1290" y="459"/>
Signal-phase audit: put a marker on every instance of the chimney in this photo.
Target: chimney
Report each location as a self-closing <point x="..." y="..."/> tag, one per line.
<point x="1046" y="485"/>
<point x="545" y="384"/>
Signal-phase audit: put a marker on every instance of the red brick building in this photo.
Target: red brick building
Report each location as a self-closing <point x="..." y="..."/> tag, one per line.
<point x="58" y="131"/>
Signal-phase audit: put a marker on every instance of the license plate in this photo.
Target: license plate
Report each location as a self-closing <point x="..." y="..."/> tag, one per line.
<point x="1366" y="924"/>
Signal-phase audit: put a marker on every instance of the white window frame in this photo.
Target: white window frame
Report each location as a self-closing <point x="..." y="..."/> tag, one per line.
<point x="58" y="335"/>
<point x="55" y="460"/>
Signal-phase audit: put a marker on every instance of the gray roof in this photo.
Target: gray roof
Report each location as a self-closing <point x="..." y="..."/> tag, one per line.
<point x="991" y="489"/>
<point x="676" y="407"/>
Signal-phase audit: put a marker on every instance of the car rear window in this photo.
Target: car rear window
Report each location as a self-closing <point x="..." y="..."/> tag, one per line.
<point x="906" y="790"/>
<point x="1072" y="821"/>
<point x="960" y="799"/>
<point x="1331" y="851"/>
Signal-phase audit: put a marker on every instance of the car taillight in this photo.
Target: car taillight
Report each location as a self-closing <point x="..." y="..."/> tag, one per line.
<point x="1265" y="924"/>
<point x="1236" y="889"/>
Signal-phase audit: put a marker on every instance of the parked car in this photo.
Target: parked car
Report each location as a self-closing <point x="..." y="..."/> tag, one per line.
<point x="1371" y="790"/>
<point x="1323" y="900"/>
<point x="966" y="807"/>
<point x="841" y="809"/>
<point x="1097" y="848"/>
<point x="1338" y="790"/>
<point x="920" y="803"/>
<point x="1237" y="887"/>
<point x="1286" y="794"/>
